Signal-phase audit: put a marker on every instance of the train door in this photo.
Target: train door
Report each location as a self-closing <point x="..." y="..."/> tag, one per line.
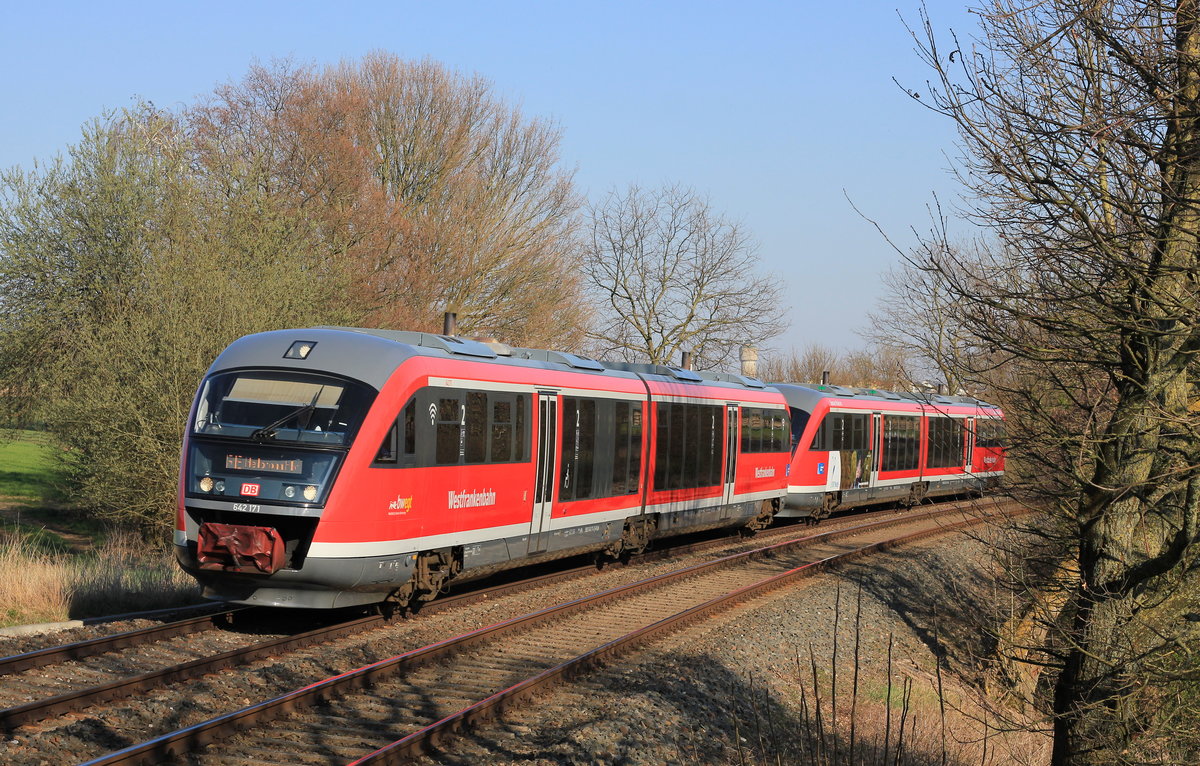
<point x="969" y="457"/>
<point x="545" y="449"/>
<point x="876" y="448"/>
<point x="732" y="435"/>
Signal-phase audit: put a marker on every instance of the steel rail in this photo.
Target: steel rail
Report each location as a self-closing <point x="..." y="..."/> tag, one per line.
<point x="423" y="740"/>
<point x="12" y="717"/>
<point x="72" y="701"/>
<point x="175" y="744"/>
<point x="670" y="550"/>
<point x="131" y="638"/>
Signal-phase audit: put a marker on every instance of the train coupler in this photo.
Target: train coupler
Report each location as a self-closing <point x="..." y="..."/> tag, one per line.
<point x="240" y="548"/>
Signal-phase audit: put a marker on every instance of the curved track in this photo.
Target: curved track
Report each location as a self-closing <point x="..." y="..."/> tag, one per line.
<point x="137" y="661"/>
<point x="387" y="711"/>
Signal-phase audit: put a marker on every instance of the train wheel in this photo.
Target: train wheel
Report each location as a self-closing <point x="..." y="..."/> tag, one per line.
<point x="432" y="572"/>
<point x="634" y="538"/>
<point x="828" y="505"/>
<point x="766" y="513"/>
<point x="916" y="493"/>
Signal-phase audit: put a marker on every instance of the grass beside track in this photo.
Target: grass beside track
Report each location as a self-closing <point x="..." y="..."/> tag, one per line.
<point x="27" y="473"/>
<point x="121" y="576"/>
<point x="57" y="564"/>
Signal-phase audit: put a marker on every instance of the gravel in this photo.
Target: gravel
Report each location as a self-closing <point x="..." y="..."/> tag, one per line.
<point x="730" y="690"/>
<point x="724" y="691"/>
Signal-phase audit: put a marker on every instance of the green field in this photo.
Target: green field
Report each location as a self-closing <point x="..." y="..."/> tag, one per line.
<point x="27" y="471"/>
<point x="59" y="563"/>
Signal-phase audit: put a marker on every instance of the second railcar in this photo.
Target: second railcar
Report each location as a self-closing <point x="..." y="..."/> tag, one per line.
<point x="855" y="447"/>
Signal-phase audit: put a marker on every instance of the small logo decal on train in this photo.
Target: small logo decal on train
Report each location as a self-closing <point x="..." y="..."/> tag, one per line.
<point x="250" y="489"/>
<point x="401" y="504"/>
<point x="764" y="473"/>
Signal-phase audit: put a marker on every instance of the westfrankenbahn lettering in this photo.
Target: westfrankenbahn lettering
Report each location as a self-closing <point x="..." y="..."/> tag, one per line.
<point x="471" y="499"/>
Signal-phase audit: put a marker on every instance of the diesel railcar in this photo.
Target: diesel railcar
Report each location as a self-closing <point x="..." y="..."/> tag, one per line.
<point x="332" y="467"/>
<point x="854" y="447"/>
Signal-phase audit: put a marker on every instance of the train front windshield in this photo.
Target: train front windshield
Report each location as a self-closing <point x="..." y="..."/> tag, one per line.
<point x="274" y="408"/>
<point x="272" y="435"/>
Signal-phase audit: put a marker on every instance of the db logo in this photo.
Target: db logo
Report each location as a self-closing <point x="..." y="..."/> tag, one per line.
<point x="250" y="489"/>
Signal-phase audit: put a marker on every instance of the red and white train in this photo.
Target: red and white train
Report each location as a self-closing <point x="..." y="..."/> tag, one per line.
<point x="854" y="447"/>
<point x="336" y="466"/>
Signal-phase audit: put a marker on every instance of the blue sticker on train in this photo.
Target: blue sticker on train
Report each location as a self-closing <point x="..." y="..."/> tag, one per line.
<point x="820" y="469"/>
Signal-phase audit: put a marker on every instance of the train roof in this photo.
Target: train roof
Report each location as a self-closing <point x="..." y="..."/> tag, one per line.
<point x="806" y="396"/>
<point x="372" y="355"/>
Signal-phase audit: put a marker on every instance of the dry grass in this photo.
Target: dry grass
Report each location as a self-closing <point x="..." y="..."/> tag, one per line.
<point x="897" y="719"/>
<point x="123" y="575"/>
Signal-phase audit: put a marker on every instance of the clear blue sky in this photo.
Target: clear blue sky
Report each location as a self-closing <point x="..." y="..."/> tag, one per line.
<point x="777" y="111"/>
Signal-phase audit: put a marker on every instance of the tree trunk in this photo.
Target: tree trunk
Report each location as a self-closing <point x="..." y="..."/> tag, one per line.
<point x="1125" y="539"/>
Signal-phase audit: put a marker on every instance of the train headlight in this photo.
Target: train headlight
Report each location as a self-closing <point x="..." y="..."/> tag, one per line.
<point x="220" y="486"/>
<point x="206" y="484"/>
<point x="310" y="493"/>
<point x="289" y="492"/>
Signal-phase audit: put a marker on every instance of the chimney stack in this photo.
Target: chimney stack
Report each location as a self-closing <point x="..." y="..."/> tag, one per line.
<point x="749" y="356"/>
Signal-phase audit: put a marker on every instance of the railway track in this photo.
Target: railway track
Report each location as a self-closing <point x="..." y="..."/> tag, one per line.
<point x="186" y="649"/>
<point x="386" y="711"/>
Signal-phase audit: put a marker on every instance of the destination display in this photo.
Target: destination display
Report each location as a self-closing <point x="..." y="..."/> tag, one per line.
<point x="280" y="465"/>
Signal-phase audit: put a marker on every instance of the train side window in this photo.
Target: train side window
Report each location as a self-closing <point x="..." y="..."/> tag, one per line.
<point x="990" y="434"/>
<point x="679" y="442"/>
<point x="622" y="449"/>
<point x="711" y="420"/>
<point x="764" y="430"/>
<point x="945" y="442"/>
<point x="463" y="427"/>
<point x="662" y="444"/>
<point x="799" y="423"/>
<point x="502" y="430"/>
<point x="390" y="452"/>
<point x="410" y="428"/>
<point x="521" y="455"/>
<point x="635" y="449"/>
<point x="687" y="452"/>
<point x="569" y="444"/>
<point x="450" y="436"/>
<point x="627" y="459"/>
<point x="578" y="448"/>
<point x="842" y="431"/>
<point x="901" y="442"/>
<point x="475" y="427"/>
<point x="587" y="449"/>
<point x="696" y="446"/>
<point x="750" y="420"/>
<point x="387" y="451"/>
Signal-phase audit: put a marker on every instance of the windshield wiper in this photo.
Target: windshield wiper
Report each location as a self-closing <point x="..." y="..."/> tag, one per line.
<point x="268" y="432"/>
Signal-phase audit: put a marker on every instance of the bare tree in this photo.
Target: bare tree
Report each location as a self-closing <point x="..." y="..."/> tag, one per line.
<point x="920" y="319"/>
<point x="879" y="367"/>
<point x="1080" y="131"/>
<point x="671" y="275"/>
<point x="806" y="365"/>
